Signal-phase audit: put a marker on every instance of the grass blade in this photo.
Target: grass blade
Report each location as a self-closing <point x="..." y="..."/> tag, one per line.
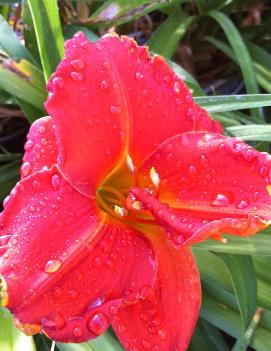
<point x="11" y="44"/>
<point x="241" y="52"/>
<point x="11" y="339"/>
<point x="167" y="37"/>
<point x="243" y="277"/>
<point x="223" y="103"/>
<point x="49" y="35"/>
<point x="243" y="342"/>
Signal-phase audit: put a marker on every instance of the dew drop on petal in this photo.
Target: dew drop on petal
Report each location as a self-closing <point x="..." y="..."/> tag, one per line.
<point x="256" y="196"/>
<point x="146" y="344"/>
<point x="104" y="85"/>
<point x="78" y="64"/>
<point x="28" y="145"/>
<point x="98" y="324"/>
<point x="52" y="266"/>
<point x="243" y="204"/>
<point x="77" y="331"/>
<point x="77" y="77"/>
<point x="58" y="82"/>
<point x="55" y="182"/>
<point x="113" y="310"/>
<point x="162" y="335"/>
<point x="114" y="109"/>
<point x="26" y="169"/>
<point x="221" y="200"/>
<point x="139" y="76"/>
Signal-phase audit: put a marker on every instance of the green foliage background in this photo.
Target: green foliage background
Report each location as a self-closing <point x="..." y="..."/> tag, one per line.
<point x="230" y="40"/>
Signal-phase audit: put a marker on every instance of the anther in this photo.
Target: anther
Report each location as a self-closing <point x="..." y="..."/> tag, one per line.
<point x="129" y="163"/>
<point x="154" y="177"/>
<point x="120" y="211"/>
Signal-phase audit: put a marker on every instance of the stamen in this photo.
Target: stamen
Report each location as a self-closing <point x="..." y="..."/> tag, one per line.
<point x="224" y="240"/>
<point x="120" y="211"/>
<point x="154" y="177"/>
<point x="133" y="204"/>
<point x="129" y="163"/>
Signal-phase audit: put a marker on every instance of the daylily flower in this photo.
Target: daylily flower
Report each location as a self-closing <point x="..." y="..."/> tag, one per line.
<point x="126" y="173"/>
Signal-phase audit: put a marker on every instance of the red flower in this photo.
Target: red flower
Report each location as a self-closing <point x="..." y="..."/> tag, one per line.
<point x="126" y="173"/>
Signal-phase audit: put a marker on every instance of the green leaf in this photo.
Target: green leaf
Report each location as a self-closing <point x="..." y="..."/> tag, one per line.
<point x="11" y="44"/>
<point x="254" y="245"/>
<point x="29" y="32"/>
<point x="220" y="315"/>
<point x="222" y="103"/>
<point x="187" y="77"/>
<point x="122" y="11"/>
<point x="241" y="53"/>
<point x="74" y="28"/>
<point x="243" y="277"/>
<point x="49" y="35"/>
<point x="257" y="132"/>
<point x="243" y="342"/>
<point x="166" y="38"/>
<point x="207" y="338"/>
<point x="104" y="342"/>
<point x="21" y="88"/>
<point x="11" y="339"/>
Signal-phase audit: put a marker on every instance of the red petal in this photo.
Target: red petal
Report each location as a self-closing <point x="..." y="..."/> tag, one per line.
<point x="213" y="184"/>
<point x="112" y="98"/>
<point x="40" y="147"/>
<point x="165" y="321"/>
<point x="59" y="253"/>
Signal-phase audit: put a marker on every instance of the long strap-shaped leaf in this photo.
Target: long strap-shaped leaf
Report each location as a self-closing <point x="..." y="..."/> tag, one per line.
<point x="243" y="277"/>
<point x="225" y="103"/>
<point x="105" y="342"/>
<point x="240" y="51"/>
<point x="11" y="339"/>
<point x="166" y="38"/>
<point x="49" y="33"/>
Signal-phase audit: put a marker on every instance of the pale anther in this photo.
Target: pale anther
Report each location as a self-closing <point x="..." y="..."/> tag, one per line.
<point x="129" y="163"/>
<point x="120" y="211"/>
<point x="154" y="177"/>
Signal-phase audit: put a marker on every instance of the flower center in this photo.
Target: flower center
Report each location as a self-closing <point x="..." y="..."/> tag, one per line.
<point x="115" y="199"/>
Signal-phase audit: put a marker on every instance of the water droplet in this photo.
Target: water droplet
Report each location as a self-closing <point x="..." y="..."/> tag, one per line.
<point x="58" y="82"/>
<point x="44" y="141"/>
<point x="146" y="344"/>
<point x="139" y="76"/>
<point x="193" y="171"/>
<point x="6" y="201"/>
<point x="28" y="145"/>
<point x="98" y="323"/>
<point x="55" y="182"/>
<point x="263" y="171"/>
<point x="104" y="85"/>
<point x="115" y="109"/>
<point x="26" y="169"/>
<point x="256" y="196"/>
<point x="42" y="129"/>
<point x="77" y="331"/>
<point x="114" y="310"/>
<point x="179" y="239"/>
<point x="36" y="184"/>
<point x="78" y="64"/>
<point x="162" y="334"/>
<point x="52" y="266"/>
<point x="77" y="77"/>
<point x="221" y="200"/>
<point x="243" y="204"/>
<point x="176" y="87"/>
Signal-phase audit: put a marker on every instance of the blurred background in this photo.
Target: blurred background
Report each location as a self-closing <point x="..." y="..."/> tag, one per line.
<point x="222" y="50"/>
